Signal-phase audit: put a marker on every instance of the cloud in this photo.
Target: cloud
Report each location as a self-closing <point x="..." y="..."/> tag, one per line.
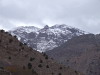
<point x="83" y="14"/>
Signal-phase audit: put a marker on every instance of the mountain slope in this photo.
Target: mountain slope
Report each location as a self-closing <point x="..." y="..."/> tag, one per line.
<point x="46" y="38"/>
<point x="19" y="59"/>
<point x="80" y="53"/>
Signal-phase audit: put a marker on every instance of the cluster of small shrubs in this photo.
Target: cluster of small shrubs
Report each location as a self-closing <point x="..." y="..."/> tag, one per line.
<point x="43" y="54"/>
<point x="15" y="36"/>
<point x="10" y="35"/>
<point x="9" y="57"/>
<point x="60" y="68"/>
<point x="25" y="44"/>
<point x="31" y="59"/>
<point x="2" y="31"/>
<point x="47" y="66"/>
<point x="29" y="65"/>
<point x="10" y="40"/>
<point x="76" y="72"/>
<point x="6" y="32"/>
<point x="59" y="74"/>
<point x="46" y="56"/>
<point x="40" y="65"/>
<point x="34" y="72"/>
<point x="20" y="44"/>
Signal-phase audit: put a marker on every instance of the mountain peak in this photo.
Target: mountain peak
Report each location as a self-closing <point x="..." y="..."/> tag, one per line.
<point x="46" y="27"/>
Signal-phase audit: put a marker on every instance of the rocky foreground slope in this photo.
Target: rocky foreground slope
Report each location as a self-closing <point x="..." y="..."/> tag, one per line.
<point x="80" y="53"/>
<point x="17" y="58"/>
<point x="47" y="38"/>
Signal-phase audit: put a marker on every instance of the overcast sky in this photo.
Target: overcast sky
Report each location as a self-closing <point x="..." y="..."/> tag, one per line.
<point x="83" y="14"/>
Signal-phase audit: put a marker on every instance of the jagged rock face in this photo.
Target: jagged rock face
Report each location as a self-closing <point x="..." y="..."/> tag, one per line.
<point x="46" y="38"/>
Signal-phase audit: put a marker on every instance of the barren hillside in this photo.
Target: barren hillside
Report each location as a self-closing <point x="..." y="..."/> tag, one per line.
<point x="17" y="58"/>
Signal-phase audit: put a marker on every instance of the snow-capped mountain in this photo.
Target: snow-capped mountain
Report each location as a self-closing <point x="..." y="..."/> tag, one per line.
<point x="21" y="32"/>
<point x="46" y="38"/>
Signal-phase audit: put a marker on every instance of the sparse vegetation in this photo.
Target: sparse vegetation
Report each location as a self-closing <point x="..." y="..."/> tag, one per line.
<point x="52" y="73"/>
<point x="59" y="74"/>
<point x="33" y="72"/>
<point x="6" y="32"/>
<point x="17" y="59"/>
<point x="47" y="66"/>
<point x="2" y="31"/>
<point x="20" y="44"/>
<point x="76" y="72"/>
<point x="9" y="57"/>
<point x="10" y="34"/>
<point x="1" y="67"/>
<point x="44" y="54"/>
<point x="10" y="40"/>
<point x="15" y="36"/>
<point x="40" y="65"/>
<point x="19" y="49"/>
<point x="31" y="59"/>
<point x="25" y="44"/>
<point x="41" y="61"/>
<point x="60" y="68"/>
<point x="46" y="57"/>
<point x="29" y="65"/>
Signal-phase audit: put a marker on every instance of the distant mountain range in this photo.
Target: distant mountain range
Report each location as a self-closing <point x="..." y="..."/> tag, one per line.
<point x="47" y="38"/>
<point x="81" y="53"/>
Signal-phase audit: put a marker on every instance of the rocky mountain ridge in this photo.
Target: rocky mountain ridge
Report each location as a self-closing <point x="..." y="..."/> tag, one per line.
<point x="46" y="38"/>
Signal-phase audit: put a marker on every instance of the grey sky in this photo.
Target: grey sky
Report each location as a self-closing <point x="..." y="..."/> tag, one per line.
<point x="83" y="14"/>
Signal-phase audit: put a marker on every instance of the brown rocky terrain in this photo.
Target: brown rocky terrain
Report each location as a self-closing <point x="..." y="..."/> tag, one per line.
<point x="17" y="58"/>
